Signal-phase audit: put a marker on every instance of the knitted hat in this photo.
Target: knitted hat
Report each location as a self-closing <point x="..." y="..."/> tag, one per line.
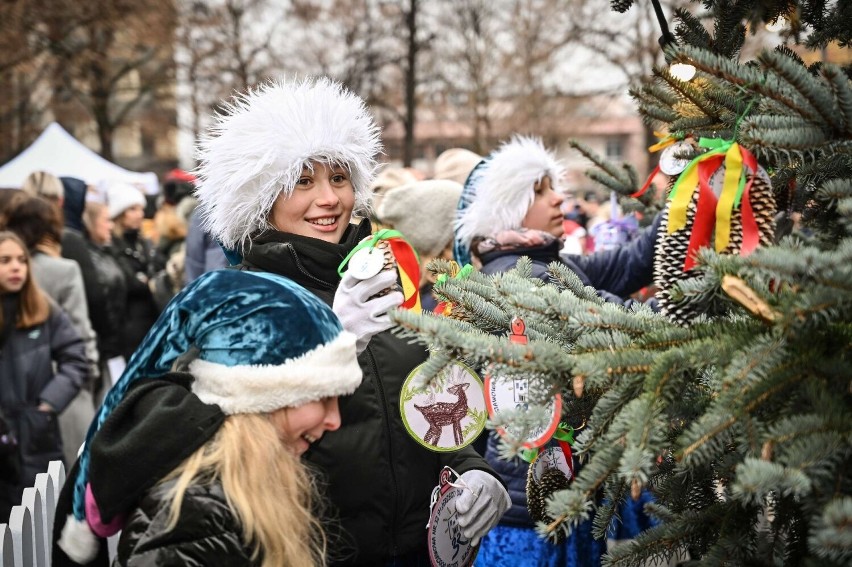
<point x="423" y="212"/>
<point x="387" y="179"/>
<point x="260" y="343"/>
<point x="121" y="196"/>
<point x="499" y="192"/>
<point x="257" y="149"/>
<point x="456" y="164"/>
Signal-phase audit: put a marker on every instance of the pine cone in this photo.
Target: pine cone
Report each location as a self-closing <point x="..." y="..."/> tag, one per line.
<point x="538" y="493"/>
<point x="670" y="253"/>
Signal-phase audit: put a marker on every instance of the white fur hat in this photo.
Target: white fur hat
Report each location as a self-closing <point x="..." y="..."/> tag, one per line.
<point x="503" y="187"/>
<point x="423" y="212"/>
<point x="121" y="196"/>
<point x="257" y="149"/>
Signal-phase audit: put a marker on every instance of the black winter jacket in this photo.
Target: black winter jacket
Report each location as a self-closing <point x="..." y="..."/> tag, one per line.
<point x="138" y="261"/>
<point x="207" y="533"/>
<point x="379" y="479"/>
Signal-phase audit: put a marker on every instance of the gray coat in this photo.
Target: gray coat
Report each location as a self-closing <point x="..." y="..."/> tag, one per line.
<point x="62" y="280"/>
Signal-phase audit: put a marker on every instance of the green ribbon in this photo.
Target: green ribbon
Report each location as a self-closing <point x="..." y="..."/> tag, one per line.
<point x="463" y="273"/>
<point x="564" y="432"/>
<point x="384" y="234"/>
<point x="715" y="145"/>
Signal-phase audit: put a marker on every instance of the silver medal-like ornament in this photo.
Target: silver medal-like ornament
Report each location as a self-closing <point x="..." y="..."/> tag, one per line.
<point x="366" y="263"/>
<point x="670" y="164"/>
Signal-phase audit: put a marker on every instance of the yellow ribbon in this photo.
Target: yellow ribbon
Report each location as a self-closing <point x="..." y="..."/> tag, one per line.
<point x="730" y="190"/>
<point x="665" y="141"/>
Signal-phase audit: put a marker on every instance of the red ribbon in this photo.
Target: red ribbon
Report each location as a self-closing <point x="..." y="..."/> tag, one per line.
<point x="409" y="271"/>
<point x="648" y="181"/>
<point x="705" y="213"/>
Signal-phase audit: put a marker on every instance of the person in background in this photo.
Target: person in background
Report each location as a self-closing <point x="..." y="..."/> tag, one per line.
<point x="455" y="164"/>
<point x="137" y="258"/>
<point x="511" y="207"/>
<point x="196" y="457"/>
<point x="203" y="253"/>
<point x="39" y="224"/>
<point x="281" y="174"/>
<point x="45" y="185"/>
<point x="423" y="212"/>
<point x="172" y="224"/>
<point x="42" y="367"/>
<point x="387" y="179"/>
<point x="110" y="317"/>
<point x="74" y="245"/>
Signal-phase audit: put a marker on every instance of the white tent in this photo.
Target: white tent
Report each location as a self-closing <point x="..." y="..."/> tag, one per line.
<point x="58" y="152"/>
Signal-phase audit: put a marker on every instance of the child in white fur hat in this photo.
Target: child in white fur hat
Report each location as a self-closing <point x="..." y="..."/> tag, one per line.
<point x="281" y="175"/>
<point x="511" y="207"/>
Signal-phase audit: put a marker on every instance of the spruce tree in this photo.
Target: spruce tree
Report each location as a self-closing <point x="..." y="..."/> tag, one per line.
<point x="738" y="419"/>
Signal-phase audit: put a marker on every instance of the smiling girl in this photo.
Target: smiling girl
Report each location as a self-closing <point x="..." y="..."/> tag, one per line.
<point x="196" y="457"/>
<point x="35" y="337"/>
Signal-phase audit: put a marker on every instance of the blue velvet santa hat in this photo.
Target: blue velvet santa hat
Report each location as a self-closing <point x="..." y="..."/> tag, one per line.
<point x="261" y="342"/>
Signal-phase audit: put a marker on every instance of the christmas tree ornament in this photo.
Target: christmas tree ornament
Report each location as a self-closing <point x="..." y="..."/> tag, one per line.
<point x="386" y="250"/>
<point x="445" y="308"/>
<point x="671" y="160"/>
<point x="550" y="470"/>
<point x="502" y="394"/>
<point x="447" y="416"/>
<point x="447" y="545"/>
<point x="722" y="199"/>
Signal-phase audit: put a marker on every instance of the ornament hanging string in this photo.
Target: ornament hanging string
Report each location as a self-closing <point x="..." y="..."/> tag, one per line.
<point x="407" y="261"/>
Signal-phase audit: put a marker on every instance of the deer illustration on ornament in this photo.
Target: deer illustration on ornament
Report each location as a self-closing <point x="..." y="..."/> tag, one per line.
<point x="447" y="415"/>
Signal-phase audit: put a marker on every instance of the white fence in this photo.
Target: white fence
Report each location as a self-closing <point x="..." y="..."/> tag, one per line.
<point x="25" y="540"/>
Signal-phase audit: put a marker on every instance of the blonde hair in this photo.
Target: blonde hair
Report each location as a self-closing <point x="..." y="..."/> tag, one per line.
<point x="44" y="184"/>
<point x="267" y="488"/>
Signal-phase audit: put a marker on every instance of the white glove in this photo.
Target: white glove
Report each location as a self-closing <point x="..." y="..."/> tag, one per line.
<point x="361" y="315"/>
<point x="481" y="505"/>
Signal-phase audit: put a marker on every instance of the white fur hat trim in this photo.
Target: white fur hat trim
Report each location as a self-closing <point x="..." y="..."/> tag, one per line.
<point x="258" y="147"/>
<point x="329" y="370"/>
<point x="78" y="541"/>
<point x="504" y="188"/>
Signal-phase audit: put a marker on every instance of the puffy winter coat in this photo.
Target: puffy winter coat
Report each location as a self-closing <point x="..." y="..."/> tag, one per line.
<point x="379" y="478"/>
<point x="138" y="261"/>
<point x="27" y="376"/>
<point x="207" y="533"/>
<point x="614" y="273"/>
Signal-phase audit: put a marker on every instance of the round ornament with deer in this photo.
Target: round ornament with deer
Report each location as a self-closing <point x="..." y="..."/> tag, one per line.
<point x="449" y="414"/>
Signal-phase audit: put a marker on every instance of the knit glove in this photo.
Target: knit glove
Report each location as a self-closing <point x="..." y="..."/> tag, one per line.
<point x="359" y="311"/>
<point x="481" y="505"/>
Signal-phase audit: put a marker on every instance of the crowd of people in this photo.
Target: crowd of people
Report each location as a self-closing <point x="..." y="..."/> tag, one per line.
<point x="250" y="415"/>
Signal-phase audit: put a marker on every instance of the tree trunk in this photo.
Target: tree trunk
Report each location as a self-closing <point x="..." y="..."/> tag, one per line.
<point x="410" y="85"/>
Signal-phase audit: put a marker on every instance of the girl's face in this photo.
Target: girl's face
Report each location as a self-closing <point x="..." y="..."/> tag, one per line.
<point x="13" y="267"/>
<point x="131" y="218"/>
<point x="300" y="426"/>
<point x="320" y="206"/>
<point x="102" y="227"/>
<point x="545" y="213"/>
